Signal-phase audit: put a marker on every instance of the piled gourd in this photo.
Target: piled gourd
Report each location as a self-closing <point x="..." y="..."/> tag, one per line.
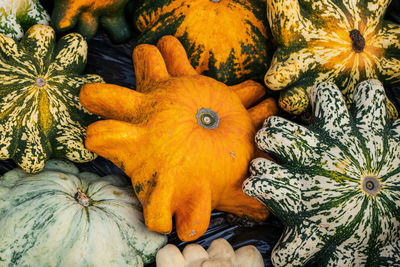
<point x="183" y="138"/>
<point x="226" y="40"/>
<point x="187" y="133"/>
<point x="41" y="116"/>
<point x="86" y="15"/>
<point x="344" y="42"/>
<point x="337" y="191"/>
<point x="220" y="253"/>
<point x="63" y="217"/>
<point x="17" y="16"/>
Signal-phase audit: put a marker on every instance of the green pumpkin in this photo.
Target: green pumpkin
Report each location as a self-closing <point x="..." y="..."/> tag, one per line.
<point x="338" y="188"/>
<point x="40" y="113"/>
<point x="227" y="40"/>
<point x="16" y="16"/>
<point x="84" y="16"/>
<point x="61" y="217"/>
<point x="344" y="42"/>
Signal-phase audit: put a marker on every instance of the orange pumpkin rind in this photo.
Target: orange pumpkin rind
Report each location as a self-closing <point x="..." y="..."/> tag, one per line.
<point x="157" y="135"/>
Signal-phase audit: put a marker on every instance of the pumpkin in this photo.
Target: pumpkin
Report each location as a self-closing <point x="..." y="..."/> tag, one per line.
<point x="227" y="40"/>
<point x="16" y="16"/>
<point x="61" y="217"/>
<point x="344" y="42"/>
<point x="183" y="138"/>
<point x="40" y="113"/>
<point x="85" y="16"/>
<point x="220" y="253"/>
<point x="337" y="190"/>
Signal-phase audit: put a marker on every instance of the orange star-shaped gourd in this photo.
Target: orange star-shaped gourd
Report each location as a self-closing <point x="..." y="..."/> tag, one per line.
<point x="183" y="138"/>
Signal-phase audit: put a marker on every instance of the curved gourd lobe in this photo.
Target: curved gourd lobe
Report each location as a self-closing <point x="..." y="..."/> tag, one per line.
<point x="345" y="42"/>
<point x="184" y="139"/>
<point x="86" y="16"/>
<point x="40" y="113"/>
<point x="337" y="187"/>
<point x="17" y="16"/>
<point x="226" y="40"/>
<point x="220" y="253"/>
<point x="64" y="217"/>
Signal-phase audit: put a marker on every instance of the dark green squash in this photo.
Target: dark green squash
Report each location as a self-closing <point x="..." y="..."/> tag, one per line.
<point x="86" y="15"/>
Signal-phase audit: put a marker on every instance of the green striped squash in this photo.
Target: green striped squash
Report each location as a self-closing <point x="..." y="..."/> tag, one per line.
<point x="40" y="113"/>
<point x="85" y="16"/>
<point x="16" y="16"/>
<point x="224" y="39"/>
<point x="338" y="188"/>
<point x="344" y="42"/>
<point x="61" y="217"/>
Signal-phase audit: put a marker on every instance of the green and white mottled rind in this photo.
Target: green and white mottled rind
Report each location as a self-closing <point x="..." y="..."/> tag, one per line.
<point x="318" y="190"/>
<point x="43" y="224"/>
<point x="37" y="123"/>
<point x="228" y="40"/>
<point x="18" y="15"/>
<point x="314" y="45"/>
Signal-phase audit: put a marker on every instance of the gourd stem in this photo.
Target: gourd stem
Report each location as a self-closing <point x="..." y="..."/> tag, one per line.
<point x="40" y="82"/>
<point x="371" y="185"/>
<point x="83" y="199"/>
<point x="358" y="41"/>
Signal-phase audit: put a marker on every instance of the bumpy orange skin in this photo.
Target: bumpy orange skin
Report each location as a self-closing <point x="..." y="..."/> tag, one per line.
<point x="177" y="166"/>
<point x="228" y="40"/>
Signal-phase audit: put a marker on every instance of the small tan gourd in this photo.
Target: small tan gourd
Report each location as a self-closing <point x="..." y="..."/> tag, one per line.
<point x="219" y="254"/>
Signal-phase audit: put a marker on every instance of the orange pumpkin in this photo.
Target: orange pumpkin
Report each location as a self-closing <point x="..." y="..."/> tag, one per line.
<point x="183" y="138"/>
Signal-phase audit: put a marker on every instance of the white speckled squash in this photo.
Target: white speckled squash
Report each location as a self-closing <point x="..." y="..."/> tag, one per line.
<point x="40" y="113"/>
<point x="60" y="217"/>
<point x="219" y="254"/>
<point x="16" y="16"/>
<point x="338" y="188"/>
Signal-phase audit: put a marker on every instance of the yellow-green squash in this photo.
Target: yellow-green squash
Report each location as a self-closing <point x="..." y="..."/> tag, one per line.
<point x="40" y="113"/>
<point x="345" y="42"/>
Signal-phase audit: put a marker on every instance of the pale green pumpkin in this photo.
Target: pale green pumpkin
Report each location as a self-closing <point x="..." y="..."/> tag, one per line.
<point x="338" y="188"/>
<point x="40" y="113"/>
<point x="61" y="217"/>
<point x="16" y="16"/>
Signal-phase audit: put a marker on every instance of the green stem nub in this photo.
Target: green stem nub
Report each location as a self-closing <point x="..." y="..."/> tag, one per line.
<point x="207" y="118"/>
<point x="82" y="199"/>
<point x="358" y="41"/>
<point x="371" y="185"/>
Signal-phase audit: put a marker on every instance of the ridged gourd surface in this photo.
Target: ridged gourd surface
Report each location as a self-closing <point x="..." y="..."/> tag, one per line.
<point x="85" y="16"/>
<point x="344" y="42"/>
<point x="63" y="217"/>
<point x="337" y="190"/>
<point x="16" y="16"/>
<point x="40" y="113"/>
<point x="227" y="40"/>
